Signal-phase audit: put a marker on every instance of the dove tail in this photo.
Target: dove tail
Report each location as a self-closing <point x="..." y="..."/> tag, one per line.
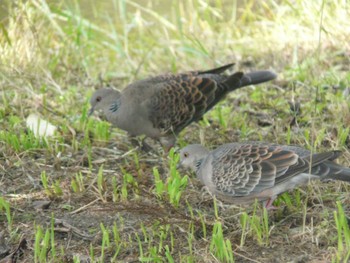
<point x="257" y="77"/>
<point x="218" y="70"/>
<point x="337" y="172"/>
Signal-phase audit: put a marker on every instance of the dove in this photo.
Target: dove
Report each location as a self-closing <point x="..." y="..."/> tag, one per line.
<point x="240" y="173"/>
<point x="161" y="107"/>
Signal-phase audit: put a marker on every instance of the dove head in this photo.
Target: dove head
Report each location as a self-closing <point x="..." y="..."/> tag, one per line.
<point x="104" y="99"/>
<point x="191" y="155"/>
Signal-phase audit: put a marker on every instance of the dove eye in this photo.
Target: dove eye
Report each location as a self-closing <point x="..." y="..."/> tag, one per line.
<point x="98" y="99"/>
<point x="186" y="154"/>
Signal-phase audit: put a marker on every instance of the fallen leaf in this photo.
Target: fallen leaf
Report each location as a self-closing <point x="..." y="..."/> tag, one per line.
<point x="40" y="127"/>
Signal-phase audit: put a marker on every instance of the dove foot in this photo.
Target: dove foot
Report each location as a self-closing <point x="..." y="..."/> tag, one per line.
<point x="269" y="204"/>
<point x="145" y="147"/>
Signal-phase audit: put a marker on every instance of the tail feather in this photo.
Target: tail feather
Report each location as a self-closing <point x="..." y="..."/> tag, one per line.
<point x="336" y="172"/>
<point x="236" y="81"/>
<point x="218" y="70"/>
<point x="257" y="77"/>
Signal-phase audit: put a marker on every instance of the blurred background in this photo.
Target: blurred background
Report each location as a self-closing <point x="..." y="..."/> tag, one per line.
<point x="121" y="38"/>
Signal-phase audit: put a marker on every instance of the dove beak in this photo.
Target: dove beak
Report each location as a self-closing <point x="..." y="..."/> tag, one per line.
<point x="91" y="111"/>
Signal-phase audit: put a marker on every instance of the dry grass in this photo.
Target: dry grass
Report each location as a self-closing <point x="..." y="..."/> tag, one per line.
<point x="101" y="201"/>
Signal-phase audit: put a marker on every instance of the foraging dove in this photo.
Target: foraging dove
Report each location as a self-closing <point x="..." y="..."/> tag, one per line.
<point x="240" y="173"/>
<point x="162" y="106"/>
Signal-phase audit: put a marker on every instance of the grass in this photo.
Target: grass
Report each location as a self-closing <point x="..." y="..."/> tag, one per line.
<point x="255" y="226"/>
<point x="342" y="225"/>
<point x="113" y="203"/>
<point x="5" y="208"/>
<point x="219" y="246"/>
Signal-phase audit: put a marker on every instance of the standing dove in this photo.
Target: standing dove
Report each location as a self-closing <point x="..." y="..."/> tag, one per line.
<point x="240" y="173"/>
<point x="162" y="106"/>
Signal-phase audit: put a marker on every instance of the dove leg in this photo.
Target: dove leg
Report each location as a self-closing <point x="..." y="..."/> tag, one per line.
<point x="268" y="204"/>
<point x="146" y="147"/>
<point x="134" y="141"/>
<point x="142" y="145"/>
<point x="167" y="142"/>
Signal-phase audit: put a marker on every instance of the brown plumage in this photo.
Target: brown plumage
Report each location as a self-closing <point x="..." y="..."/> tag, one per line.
<point x="162" y="106"/>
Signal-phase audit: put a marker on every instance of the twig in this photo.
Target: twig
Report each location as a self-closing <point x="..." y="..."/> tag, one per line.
<point x="83" y="207"/>
<point x="245" y="257"/>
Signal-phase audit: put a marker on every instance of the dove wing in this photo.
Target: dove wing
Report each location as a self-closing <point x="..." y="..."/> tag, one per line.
<point x="179" y="100"/>
<point x="241" y="170"/>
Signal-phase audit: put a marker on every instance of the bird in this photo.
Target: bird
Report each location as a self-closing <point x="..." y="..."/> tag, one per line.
<point x="160" y="107"/>
<point x="242" y="172"/>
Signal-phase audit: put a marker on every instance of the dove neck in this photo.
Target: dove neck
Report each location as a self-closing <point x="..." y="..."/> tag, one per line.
<point x="115" y="105"/>
<point x="198" y="164"/>
<point x="111" y="111"/>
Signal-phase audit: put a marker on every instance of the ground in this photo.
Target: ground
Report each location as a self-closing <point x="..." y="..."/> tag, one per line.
<point x="87" y="194"/>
